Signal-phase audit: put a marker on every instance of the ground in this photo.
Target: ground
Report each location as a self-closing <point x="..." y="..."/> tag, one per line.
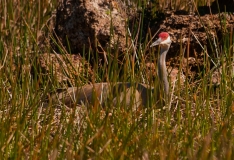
<point x="86" y="26"/>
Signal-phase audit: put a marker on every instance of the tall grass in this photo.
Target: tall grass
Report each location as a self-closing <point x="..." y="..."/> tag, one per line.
<point x="197" y="124"/>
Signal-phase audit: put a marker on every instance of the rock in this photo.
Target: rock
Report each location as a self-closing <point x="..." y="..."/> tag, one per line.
<point x="90" y="24"/>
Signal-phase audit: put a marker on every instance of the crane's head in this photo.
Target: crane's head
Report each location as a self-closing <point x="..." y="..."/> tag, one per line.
<point x="164" y="39"/>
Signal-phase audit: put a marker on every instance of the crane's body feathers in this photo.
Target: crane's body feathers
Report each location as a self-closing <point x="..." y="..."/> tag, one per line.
<point x="129" y="93"/>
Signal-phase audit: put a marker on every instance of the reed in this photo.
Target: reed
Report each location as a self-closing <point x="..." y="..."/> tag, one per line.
<point x="197" y="123"/>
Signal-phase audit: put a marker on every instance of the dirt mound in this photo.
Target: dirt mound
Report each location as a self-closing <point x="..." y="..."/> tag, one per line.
<point x="86" y="24"/>
<point x="202" y="33"/>
<point x="200" y="29"/>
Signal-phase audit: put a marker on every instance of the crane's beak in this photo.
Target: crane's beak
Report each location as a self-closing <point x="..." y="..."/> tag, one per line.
<point x="157" y="42"/>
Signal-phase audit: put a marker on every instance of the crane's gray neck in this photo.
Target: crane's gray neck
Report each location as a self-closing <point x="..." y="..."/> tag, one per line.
<point x="162" y="69"/>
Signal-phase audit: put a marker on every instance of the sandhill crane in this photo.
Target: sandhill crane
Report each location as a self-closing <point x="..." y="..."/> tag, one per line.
<point x="130" y="93"/>
<point x="165" y="42"/>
